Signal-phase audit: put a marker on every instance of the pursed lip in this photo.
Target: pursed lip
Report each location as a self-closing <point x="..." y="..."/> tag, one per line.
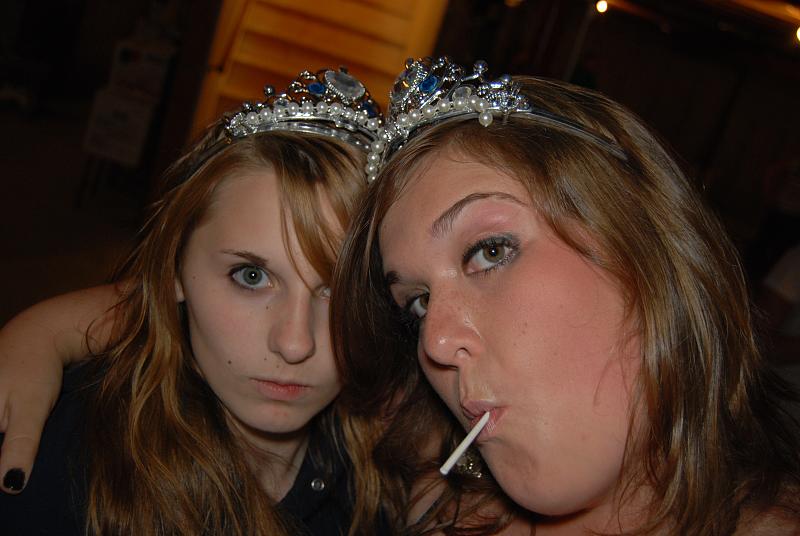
<point x="473" y="410"/>
<point x="280" y="389"/>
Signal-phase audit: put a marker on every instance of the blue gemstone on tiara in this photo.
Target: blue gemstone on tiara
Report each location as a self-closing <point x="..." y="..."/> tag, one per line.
<point x="429" y="84"/>
<point x="431" y="90"/>
<point x="329" y="103"/>
<point x="371" y="109"/>
<point x="316" y="88"/>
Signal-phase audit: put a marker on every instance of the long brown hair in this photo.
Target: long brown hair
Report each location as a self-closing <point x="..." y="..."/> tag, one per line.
<point x="164" y="460"/>
<point x="715" y="447"/>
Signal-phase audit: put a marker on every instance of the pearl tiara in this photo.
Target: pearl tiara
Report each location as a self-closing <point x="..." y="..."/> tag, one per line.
<point x="431" y="90"/>
<point x="327" y="102"/>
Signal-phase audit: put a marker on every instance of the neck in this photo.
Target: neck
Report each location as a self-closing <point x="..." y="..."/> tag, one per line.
<point x="275" y="458"/>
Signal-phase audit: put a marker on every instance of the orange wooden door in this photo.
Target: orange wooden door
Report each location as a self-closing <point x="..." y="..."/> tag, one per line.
<point x="260" y="42"/>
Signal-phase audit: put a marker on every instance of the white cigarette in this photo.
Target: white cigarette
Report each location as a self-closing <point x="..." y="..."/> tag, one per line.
<point x="464" y="445"/>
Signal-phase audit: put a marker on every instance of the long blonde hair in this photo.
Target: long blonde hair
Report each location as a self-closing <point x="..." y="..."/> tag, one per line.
<point x="715" y="446"/>
<point x="164" y="460"/>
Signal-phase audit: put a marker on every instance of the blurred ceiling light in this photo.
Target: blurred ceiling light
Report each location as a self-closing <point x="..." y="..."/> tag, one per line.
<point x="513" y="3"/>
<point x="602" y="6"/>
<point x="798" y="33"/>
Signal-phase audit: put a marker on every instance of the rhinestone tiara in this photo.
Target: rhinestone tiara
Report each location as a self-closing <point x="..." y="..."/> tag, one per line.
<point x="432" y="90"/>
<point x="327" y="102"/>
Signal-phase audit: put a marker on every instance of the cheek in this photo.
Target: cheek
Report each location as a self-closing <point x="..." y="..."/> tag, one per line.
<point x="223" y="331"/>
<point x="557" y="339"/>
<point x="565" y="322"/>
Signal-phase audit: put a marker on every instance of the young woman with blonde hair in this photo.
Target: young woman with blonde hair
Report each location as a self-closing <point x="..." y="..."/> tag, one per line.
<point x="210" y="409"/>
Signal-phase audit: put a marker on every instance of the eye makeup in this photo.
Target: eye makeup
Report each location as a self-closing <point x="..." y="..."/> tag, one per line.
<point x="490" y="253"/>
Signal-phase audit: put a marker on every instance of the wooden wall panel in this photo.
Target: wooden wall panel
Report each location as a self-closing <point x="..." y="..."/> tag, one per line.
<point x="261" y="42"/>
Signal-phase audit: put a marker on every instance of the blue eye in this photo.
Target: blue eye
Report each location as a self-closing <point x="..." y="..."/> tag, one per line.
<point x="251" y="277"/>
<point x="488" y="254"/>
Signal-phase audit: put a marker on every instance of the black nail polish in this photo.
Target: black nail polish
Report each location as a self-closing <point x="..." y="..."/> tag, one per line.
<point x="14" y="479"/>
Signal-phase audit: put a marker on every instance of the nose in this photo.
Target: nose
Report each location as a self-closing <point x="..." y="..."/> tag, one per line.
<point x="449" y="334"/>
<point x="292" y="332"/>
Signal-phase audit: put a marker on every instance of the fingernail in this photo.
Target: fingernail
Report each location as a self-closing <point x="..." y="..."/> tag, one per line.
<point x="14" y="479"/>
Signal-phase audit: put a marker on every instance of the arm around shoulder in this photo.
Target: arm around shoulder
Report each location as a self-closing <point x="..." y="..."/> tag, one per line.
<point x="35" y="345"/>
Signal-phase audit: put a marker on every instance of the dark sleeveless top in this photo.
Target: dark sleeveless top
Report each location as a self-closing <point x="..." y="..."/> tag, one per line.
<point x="54" y="499"/>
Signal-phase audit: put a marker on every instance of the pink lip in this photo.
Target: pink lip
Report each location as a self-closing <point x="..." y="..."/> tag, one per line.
<point x="280" y="391"/>
<point x="473" y="410"/>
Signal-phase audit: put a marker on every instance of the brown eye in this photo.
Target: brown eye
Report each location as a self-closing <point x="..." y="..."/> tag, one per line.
<point x="419" y="306"/>
<point x="493" y="253"/>
<point x="488" y="254"/>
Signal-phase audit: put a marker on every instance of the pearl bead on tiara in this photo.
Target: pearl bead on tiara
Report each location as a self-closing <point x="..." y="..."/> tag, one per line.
<point x="431" y="90"/>
<point x="327" y="102"/>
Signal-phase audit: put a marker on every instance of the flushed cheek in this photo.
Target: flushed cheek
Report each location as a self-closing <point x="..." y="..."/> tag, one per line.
<point x="559" y="366"/>
<point x="565" y="366"/>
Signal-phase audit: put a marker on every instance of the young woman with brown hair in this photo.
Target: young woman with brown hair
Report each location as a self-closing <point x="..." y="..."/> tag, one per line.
<point x="534" y="250"/>
<point x="550" y="266"/>
<point x="212" y="409"/>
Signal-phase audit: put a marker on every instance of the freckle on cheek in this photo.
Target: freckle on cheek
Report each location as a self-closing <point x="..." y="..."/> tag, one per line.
<point x="229" y="361"/>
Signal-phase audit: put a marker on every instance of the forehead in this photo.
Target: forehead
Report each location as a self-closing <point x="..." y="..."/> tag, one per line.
<point x="246" y="194"/>
<point x="255" y="195"/>
<point x="444" y="180"/>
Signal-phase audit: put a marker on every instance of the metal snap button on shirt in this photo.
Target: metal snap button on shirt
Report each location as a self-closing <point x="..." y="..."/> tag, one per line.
<point x="318" y="484"/>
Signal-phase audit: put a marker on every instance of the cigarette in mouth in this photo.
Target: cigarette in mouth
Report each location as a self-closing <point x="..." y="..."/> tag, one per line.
<point x="464" y="445"/>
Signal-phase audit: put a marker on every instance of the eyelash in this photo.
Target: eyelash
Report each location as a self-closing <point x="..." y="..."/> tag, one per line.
<point x="506" y="241"/>
<point x="241" y="267"/>
<point x="412" y="322"/>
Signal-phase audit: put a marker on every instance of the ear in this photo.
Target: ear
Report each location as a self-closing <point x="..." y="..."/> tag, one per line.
<point x="179" y="290"/>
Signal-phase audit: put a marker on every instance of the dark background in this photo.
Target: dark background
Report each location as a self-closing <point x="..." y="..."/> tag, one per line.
<point x="721" y="84"/>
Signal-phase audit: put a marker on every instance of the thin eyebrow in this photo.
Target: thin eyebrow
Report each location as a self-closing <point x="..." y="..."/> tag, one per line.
<point x="444" y="223"/>
<point x="249" y="256"/>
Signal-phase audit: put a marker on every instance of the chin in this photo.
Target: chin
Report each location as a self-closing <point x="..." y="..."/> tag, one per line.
<point x="563" y="505"/>
<point x="284" y="424"/>
<point x="269" y="420"/>
<point x="541" y="495"/>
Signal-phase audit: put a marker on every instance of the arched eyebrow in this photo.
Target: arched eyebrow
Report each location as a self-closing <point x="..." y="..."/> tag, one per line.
<point x="249" y="256"/>
<point x="444" y="223"/>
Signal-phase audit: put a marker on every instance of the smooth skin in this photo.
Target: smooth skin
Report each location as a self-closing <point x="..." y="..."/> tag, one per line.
<point x="515" y="322"/>
<point x="258" y="328"/>
<point x="34" y="347"/>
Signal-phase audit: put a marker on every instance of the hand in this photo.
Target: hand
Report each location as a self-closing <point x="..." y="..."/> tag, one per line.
<point x="29" y="388"/>
<point x="35" y="346"/>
